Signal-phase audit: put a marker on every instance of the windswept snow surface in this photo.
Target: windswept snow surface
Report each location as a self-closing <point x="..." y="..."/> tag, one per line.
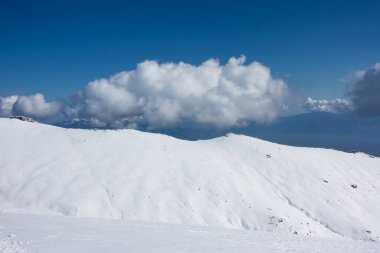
<point x="53" y="234"/>
<point x="232" y="182"/>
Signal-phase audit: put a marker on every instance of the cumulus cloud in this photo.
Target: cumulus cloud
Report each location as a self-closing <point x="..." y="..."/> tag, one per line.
<point x="338" y="105"/>
<point x="32" y="106"/>
<point x="169" y="93"/>
<point x="165" y="94"/>
<point x="365" y="91"/>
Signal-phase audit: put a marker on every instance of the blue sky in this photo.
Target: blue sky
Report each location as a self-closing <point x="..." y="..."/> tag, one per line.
<point x="57" y="47"/>
<point x="52" y="51"/>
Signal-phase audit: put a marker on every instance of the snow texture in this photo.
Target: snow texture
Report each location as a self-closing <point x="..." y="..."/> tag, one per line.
<point x="52" y="234"/>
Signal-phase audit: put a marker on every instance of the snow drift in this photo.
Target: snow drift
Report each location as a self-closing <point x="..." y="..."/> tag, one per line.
<point x="233" y="181"/>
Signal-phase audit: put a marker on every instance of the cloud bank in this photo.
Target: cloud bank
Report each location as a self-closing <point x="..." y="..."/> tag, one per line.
<point x="211" y="94"/>
<point x="365" y="91"/>
<point x="338" y="105"/>
<point x="166" y="94"/>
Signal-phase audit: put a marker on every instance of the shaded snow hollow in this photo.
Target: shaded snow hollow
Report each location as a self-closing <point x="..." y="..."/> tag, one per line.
<point x="233" y="182"/>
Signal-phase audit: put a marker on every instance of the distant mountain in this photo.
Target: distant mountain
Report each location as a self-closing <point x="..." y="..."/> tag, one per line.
<point x="346" y="132"/>
<point x="77" y="124"/>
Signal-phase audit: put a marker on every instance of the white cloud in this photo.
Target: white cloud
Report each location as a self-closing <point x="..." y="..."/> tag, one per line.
<point x="211" y="94"/>
<point x="6" y="105"/>
<point x="170" y="93"/>
<point x="365" y="91"/>
<point x="165" y="94"/>
<point x="338" y="105"/>
<point x="35" y="106"/>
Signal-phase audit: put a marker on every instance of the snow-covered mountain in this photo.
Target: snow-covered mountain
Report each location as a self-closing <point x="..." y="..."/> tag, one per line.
<point x="233" y="181"/>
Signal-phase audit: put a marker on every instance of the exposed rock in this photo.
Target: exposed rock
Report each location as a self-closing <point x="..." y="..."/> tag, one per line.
<point x="23" y="118"/>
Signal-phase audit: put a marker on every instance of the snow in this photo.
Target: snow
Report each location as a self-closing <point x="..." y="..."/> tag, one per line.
<point x="231" y="182"/>
<point x="52" y="234"/>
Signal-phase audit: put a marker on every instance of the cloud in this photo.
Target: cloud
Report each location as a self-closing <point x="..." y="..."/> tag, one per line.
<point x="32" y="106"/>
<point x="165" y="94"/>
<point x="365" y="91"/>
<point x="338" y="105"/>
<point x="170" y="93"/>
<point x="6" y="105"/>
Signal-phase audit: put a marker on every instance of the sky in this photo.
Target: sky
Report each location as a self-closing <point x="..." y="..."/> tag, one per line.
<point x="56" y="48"/>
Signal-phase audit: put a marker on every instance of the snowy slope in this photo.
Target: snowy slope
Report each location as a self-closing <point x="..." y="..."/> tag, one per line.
<point x="53" y="234"/>
<point x="233" y="182"/>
